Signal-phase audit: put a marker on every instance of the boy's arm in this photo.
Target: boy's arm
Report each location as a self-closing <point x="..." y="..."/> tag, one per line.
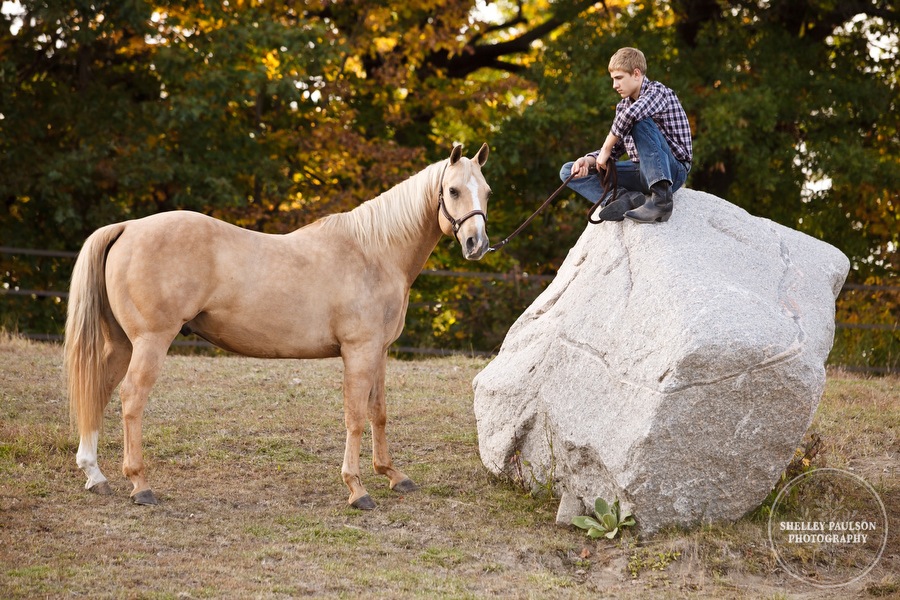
<point x="609" y="147"/>
<point x="613" y="147"/>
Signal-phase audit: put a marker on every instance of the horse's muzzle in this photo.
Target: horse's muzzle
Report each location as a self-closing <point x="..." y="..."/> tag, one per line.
<point x="475" y="246"/>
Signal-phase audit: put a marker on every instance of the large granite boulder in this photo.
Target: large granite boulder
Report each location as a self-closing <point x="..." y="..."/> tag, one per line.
<point x="673" y="366"/>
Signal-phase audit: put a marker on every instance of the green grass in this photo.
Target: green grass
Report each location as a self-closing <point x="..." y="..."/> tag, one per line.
<point x="245" y="457"/>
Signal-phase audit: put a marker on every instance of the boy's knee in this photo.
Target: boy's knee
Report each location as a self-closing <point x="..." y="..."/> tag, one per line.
<point x="566" y="170"/>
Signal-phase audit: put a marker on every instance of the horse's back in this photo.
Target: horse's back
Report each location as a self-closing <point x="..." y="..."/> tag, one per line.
<point x="165" y="268"/>
<point x="182" y="228"/>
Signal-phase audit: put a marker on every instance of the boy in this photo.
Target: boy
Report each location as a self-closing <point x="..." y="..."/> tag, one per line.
<point x="653" y="129"/>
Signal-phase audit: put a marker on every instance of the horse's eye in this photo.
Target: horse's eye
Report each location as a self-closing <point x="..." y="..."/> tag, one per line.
<point x="454" y="192"/>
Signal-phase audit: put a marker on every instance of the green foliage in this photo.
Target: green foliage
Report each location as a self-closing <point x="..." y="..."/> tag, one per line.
<point x="868" y="337"/>
<point x="643" y="559"/>
<point x="607" y="520"/>
<point x="133" y="111"/>
<point x="466" y="313"/>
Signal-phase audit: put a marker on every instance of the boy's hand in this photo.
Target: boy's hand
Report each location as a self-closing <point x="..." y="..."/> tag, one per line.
<point x="584" y="166"/>
<point x="606" y="150"/>
<point x="603" y="157"/>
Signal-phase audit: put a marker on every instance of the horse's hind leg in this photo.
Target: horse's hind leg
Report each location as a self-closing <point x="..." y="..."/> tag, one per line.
<point x="116" y="355"/>
<point x="381" y="457"/>
<point x="146" y="363"/>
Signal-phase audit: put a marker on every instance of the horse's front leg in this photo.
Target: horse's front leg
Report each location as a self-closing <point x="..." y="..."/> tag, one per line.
<point x="360" y="368"/>
<point x="381" y="457"/>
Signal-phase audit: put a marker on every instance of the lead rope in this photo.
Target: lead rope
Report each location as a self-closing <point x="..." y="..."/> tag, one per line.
<point x="610" y="181"/>
<point x="610" y="174"/>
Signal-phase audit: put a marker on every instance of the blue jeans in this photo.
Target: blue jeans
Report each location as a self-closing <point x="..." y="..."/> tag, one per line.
<point x="657" y="164"/>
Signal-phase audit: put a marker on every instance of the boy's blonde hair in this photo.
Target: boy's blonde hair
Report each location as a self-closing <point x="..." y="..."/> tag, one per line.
<point x="628" y="59"/>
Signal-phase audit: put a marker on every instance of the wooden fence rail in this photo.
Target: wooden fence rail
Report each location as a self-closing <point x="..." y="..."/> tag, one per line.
<point x="430" y="273"/>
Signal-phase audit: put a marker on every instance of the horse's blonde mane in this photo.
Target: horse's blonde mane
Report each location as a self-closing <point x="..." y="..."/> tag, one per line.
<point x="396" y="215"/>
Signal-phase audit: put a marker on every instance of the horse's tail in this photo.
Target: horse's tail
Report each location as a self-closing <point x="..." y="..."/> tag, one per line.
<point x="84" y="346"/>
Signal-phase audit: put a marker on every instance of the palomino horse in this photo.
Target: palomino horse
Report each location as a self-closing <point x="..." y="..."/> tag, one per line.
<point x="337" y="287"/>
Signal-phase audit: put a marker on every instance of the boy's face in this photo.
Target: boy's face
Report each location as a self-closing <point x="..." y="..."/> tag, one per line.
<point x="627" y="84"/>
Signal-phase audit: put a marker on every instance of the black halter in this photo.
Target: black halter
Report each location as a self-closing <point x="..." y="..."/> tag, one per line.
<point x="455" y="224"/>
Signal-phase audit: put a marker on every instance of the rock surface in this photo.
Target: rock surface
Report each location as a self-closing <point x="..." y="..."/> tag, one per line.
<point x="674" y="366"/>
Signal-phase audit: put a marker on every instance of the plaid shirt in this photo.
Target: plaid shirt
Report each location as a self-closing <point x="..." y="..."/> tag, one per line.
<point x="660" y="104"/>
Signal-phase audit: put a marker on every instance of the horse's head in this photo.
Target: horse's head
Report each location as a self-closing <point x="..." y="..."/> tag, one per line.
<point x="463" y="202"/>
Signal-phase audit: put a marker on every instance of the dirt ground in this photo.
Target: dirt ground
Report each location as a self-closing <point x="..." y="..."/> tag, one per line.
<point x="245" y="458"/>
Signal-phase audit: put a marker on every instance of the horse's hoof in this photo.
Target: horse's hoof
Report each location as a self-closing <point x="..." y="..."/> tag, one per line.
<point x="101" y="489"/>
<point x="405" y="487"/>
<point x="364" y="503"/>
<point x="145" y="498"/>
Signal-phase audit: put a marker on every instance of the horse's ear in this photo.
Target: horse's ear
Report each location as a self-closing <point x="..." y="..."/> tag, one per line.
<point x="482" y="155"/>
<point x="456" y="153"/>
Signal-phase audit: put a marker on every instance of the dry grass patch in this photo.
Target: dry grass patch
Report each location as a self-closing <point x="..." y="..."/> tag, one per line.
<point x="245" y="457"/>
